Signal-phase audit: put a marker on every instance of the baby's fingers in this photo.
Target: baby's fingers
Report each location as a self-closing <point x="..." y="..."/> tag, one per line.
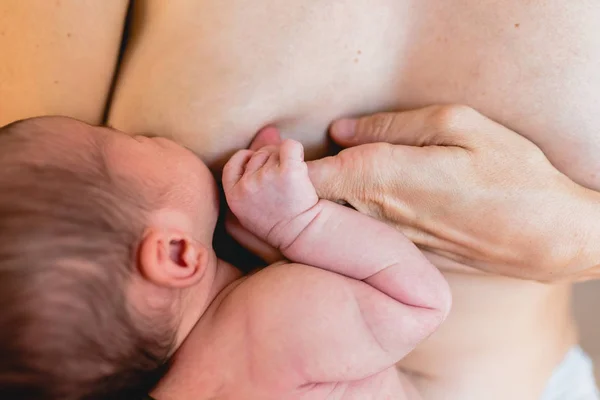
<point x="273" y="161"/>
<point x="291" y="153"/>
<point x="235" y="168"/>
<point x="257" y="161"/>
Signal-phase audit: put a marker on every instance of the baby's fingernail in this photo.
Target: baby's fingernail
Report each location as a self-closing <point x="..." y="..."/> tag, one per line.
<point x="344" y="128"/>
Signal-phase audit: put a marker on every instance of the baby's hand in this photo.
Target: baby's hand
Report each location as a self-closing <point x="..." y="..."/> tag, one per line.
<point x="268" y="187"/>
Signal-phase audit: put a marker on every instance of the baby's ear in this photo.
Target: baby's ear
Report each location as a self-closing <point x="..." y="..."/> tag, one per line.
<point x="171" y="259"/>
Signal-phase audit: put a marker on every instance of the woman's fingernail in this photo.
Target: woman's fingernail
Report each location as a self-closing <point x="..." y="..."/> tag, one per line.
<point x="344" y="128"/>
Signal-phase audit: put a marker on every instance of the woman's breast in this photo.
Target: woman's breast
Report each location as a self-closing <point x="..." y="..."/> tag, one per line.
<point x="211" y="73"/>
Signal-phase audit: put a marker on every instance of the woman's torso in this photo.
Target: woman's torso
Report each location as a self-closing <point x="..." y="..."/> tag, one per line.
<point x="211" y="73"/>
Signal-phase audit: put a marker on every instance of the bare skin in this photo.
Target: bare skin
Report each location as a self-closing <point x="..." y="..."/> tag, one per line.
<point x="299" y="65"/>
<point x="530" y="66"/>
<point x="251" y="337"/>
<point x="258" y="340"/>
<point x="58" y="57"/>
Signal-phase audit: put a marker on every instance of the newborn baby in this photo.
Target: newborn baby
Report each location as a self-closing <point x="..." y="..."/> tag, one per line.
<point x="106" y="267"/>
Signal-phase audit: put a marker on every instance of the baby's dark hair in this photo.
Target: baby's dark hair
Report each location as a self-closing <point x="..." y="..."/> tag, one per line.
<point x="68" y="240"/>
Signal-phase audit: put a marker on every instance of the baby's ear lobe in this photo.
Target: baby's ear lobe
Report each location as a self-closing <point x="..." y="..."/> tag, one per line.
<point x="171" y="259"/>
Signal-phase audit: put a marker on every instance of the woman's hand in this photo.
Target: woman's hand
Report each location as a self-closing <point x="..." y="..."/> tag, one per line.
<point x="466" y="190"/>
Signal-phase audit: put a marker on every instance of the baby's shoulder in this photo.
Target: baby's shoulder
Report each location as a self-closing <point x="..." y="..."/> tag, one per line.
<point x="289" y="273"/>
<point x="286" y="294"/>
<point x="287" y="281"/>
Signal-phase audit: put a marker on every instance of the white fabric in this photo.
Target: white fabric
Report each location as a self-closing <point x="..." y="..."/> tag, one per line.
<point x="573" y="379"/>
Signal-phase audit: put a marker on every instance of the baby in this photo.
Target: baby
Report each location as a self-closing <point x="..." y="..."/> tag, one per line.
<point x="106" y="268"/>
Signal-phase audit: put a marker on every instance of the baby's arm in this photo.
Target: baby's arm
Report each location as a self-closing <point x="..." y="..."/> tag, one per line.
<point x="341" y="240"/>
<point x="272" y="196"/>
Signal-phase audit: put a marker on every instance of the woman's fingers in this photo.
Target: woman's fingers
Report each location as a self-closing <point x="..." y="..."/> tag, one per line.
<point x="447" y="125"/>
<point x="332" y="181"/>
<point x="356" y="174"/>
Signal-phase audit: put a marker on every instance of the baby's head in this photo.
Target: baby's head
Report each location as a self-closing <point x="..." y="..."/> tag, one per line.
<point x="105" y="257"/>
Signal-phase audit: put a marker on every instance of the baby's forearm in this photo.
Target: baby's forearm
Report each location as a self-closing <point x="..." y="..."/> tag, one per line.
<point x="341" y="240"/>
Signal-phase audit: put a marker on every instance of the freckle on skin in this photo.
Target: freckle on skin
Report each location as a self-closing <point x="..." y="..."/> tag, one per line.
<point x="356" y="61"/>
<point x="517" y="25"/>
<point x="68" y="34"/>
<point x="55" y="82"/>
<point x="359" y="52"/>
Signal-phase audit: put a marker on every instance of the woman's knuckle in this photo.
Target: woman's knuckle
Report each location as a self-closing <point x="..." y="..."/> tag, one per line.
<point x="376" y="152"/>
<point x="451" y="117"/>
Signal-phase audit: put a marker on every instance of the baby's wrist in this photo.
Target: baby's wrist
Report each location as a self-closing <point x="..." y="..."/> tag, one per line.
<point x="285" y="233"/>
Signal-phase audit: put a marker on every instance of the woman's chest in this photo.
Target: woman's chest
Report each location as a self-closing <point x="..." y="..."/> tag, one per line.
<point x="210" y="74"/>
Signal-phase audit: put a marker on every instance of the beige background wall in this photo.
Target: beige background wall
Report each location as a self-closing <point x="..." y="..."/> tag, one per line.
<point x="587" y="311"/>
